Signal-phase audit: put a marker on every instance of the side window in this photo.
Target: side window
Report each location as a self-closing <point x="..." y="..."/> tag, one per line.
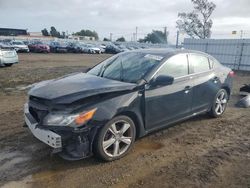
<point x="199" y="63"/>
<point x="212" y="62"/>
<point x="175" y="66"/>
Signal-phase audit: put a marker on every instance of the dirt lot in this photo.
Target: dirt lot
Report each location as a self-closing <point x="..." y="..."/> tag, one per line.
<point x="201" y="152"/>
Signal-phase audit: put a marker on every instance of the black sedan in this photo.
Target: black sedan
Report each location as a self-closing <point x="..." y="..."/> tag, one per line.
<point x="123" y="98"/>
<point x="74" y="48"/>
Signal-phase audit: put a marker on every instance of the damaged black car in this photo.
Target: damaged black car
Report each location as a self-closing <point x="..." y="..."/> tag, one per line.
<point x="125" y="97"/>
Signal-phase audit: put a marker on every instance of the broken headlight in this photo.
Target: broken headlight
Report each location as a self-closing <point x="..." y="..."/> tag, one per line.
<point x="71" y="120"/>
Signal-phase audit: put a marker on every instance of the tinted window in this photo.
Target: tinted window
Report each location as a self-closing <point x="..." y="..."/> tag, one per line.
<point x="213" y="62"/>
<point x="135" y="66"/>
<point x="176" y="66"/>
<point x="96" y="70"/>
<point x="199" y="63"/>
<point x="127" y="67"/>
<point x="113" y="70"/>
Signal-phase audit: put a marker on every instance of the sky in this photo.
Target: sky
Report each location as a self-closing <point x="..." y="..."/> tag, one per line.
<point x="120" y="17"/>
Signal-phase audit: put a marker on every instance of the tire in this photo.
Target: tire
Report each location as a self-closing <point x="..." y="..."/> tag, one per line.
<point x="118" y="143"/>
<point x="219" y="104"/>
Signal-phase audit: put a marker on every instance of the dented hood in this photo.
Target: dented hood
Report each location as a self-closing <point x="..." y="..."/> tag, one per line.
<point x="77" y="86"/>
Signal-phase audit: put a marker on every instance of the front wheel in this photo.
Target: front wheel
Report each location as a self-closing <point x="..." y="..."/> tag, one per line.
<point x="115" y="139"/>
<point x="219" y="103"/>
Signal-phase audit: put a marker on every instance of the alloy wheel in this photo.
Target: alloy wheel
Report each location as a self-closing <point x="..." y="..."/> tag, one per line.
<point x="221" y="103"/>
<point x="117" y="138"/>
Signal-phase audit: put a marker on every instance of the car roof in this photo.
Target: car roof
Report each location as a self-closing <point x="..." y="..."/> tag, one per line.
<point x="167" y="52"/>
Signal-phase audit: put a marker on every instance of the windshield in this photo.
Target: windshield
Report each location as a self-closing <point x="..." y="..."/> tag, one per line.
<point x="127" y="67"/>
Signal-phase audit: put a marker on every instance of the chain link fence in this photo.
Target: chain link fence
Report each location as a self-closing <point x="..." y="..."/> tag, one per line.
<point x="233" y="53"/>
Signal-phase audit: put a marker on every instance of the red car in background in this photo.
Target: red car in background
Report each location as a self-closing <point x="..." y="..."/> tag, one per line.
<point x="38" y="46"/>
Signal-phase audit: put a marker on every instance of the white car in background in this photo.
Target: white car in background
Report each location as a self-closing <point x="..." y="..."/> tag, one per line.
<point x="19" y="46"/>
<point x="90" y="48"/>
<point x="8" y="55"/>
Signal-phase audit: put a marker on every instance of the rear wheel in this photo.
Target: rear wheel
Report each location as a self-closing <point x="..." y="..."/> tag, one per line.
<point x="219" y="104"/>
<point x="115" y="139"/>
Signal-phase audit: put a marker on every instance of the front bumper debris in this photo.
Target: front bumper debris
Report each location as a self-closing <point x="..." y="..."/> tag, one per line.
<point x="67" y="143"/>
<point x="48" y="137"/>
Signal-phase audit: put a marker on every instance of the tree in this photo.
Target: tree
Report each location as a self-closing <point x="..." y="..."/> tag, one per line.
<point x="121" y="39"/>
<point x="106" y="39"/>
<point x="197" y="23"/>
<point x="54" y="32"/>
<point x="45" y="32"/>
<point x="63" y="35"/>
<point x="155" y="37"/>
<point x="87" y="33"/>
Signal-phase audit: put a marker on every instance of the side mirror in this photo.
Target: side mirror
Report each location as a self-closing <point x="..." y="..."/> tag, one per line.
<point x="162" y="80"/>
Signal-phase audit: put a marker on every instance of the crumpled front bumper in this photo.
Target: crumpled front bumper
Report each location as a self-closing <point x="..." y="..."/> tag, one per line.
<point x="48" y="137"/>
<point x="69" y="144"/>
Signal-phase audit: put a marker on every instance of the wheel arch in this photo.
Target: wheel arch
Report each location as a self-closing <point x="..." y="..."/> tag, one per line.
<point x="139" y="125"/>
<point x="227" y="89"/>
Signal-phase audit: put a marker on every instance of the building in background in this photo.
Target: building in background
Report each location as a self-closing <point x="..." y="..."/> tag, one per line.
<point x="35" y="34"/>
<point x="12" y="32"/>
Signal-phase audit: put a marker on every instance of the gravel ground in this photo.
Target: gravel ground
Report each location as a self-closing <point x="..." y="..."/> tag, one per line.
<point x="201" y="152"/>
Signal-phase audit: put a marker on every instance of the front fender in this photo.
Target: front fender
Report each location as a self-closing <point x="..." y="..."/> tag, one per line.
<point x="130" y="104"/>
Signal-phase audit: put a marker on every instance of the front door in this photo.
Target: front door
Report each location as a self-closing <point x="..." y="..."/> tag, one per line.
<point x="166" y="104"/>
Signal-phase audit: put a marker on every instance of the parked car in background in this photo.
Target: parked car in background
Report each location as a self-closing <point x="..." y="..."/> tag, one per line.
<point x="74" y="47"/>
<point x="38" y="46"/>
<point x="8" y="55"/>
<point x="26" y="42"/>
<point x="103" y="46"/>
<point x="91" y="49"/>
<point x="58" y="47"/>
<point x="112" y="49"/>
<point x="19" y="46"/>
<point x="122" y="48"/>
<point x="123" y="98"/>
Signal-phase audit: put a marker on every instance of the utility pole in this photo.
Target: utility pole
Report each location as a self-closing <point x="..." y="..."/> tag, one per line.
<point x="177" y="39"/>
<point x="166" y="34"/>
<point x="111" y="34"/>
<point x="136" y="33"/>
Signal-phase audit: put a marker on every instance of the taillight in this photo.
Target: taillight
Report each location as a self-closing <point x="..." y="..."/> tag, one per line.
<point x="231" y="74"/>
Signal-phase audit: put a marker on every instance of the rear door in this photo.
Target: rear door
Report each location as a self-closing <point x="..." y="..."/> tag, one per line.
<point x="206" y="84"/>
<point x="166" y="104"/>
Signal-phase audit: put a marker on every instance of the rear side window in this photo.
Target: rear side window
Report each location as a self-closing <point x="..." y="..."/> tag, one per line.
<point x="213" y="62"/>
<point x="175" y="66"/>
<point x="199" y="63"/>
